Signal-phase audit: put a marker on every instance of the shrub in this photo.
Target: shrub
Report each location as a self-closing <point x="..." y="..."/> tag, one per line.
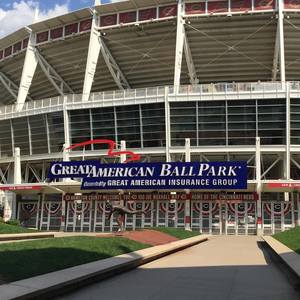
<point x="1" y="220"/>
<point x="13" y="222"/>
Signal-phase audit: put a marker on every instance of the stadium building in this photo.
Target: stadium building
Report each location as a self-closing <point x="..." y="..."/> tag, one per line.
<point x="194" y="81"/>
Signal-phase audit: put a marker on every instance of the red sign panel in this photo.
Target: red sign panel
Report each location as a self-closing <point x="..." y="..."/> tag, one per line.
<point x="217" y="6"/>
<point x="56" y="33"/>
<point x="85" y="25"/>
<point x="292" y="4"/>
<point x="108" y="20"/>
<point x="25" y="43"/>
<point x="195" y="8"/>
<point x="147" y="14"/>
<point x="289" y="185"/>
<point x="168" y="11"/>
<point x="17" y="47"/>
<point x="8" y="51"/>
<point x="127" y="17"/>
<point x="71" y="28"/>
<point x="241" y="5"/>
<point x="20" y="187"/>
<point x="42" y="37"/>
<point x="264" y="4"/>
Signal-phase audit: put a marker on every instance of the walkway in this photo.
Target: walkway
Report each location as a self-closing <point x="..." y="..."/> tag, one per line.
<point x="226" y="267"/>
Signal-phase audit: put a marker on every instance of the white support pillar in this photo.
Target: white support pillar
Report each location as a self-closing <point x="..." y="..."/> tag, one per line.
<point x="17" y="167"/>
<point x="66" y="128"/>
<point x="187" y="215"/>
<point x="259" y="229"/>
<point x="92" y="59"/>
<point x="179" y="46"/>
<point x="167" y="124"/>
<point x="29" y="67"/>
<point x="287" y="164"/>
<point x="189" y="60"/>
<point x="276" y="55"/>
<point x="122" y="160"/>
<point x="281" y="40"/>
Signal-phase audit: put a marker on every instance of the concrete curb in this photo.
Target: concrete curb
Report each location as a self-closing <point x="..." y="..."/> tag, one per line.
<point x="290" y="258"/>
<point x="56" y="283"/>
<point x="25" y="236"/>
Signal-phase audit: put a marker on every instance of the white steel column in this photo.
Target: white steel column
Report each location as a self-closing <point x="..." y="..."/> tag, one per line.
<point x="29" y="67"/>
<point x="281" y="40"/>
<point x="92" y="59"/>
<point x="167" y="124"/>
<point x="17" y="167"/>
<point x="259" y="230"/>
<point x="287" y="164"/>
<point x="66" y="129"/>
<point x="179" y="45"/>
<point x="122" y="160"/>
<point x="276" y="54"/>
<point x="187" y="215"/>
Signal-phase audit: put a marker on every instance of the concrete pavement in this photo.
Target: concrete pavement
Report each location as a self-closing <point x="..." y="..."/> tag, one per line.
<point x="225" y="267"/>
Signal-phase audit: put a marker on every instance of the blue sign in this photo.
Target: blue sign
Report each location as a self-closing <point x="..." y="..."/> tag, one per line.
<point x="164" y="176"/>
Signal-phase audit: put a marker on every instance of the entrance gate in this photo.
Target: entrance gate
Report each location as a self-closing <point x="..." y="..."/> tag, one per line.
<point x="50" y="215"/>
<point x="206" y="216"/>
<point x="170" y="213"/>
<point x="277" y="216"/>
<point x="139" y="220"/>
<point x="79" y="216"/>
<point x="28" y="213"/>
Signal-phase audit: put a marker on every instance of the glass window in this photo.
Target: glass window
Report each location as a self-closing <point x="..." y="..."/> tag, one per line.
<point x="56" y="131"/>
<point x="295" y="121"/>
<point x="21" y="135"/>
<point x="38" y="133"/>
<point x="5" y="139"/>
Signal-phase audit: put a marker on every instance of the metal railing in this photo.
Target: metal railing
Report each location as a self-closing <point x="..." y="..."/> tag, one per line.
<point x="152" y="94"/>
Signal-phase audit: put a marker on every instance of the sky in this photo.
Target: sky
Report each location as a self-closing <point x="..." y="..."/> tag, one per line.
<point x="15" y="14"/>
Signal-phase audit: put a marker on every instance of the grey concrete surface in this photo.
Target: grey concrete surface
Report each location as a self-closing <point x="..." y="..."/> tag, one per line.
<point x="225" y="267"/>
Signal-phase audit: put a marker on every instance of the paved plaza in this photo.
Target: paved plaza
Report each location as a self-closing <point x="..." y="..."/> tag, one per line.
<point x="225" y="267"/>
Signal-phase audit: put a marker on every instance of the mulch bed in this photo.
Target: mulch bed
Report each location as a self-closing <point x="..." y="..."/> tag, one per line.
<point x="150" y="237"/>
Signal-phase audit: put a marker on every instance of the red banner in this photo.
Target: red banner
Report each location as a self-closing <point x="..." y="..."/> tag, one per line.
<point x="25" y="43"/>
<point x="20" y="187"/>
<point x="289" y="185"/>
<point x="17" y="47"/>
<point x="147" y="14"/>
<point x="237" y="197"/>
<point x="264" y="4"/>
<point x="8" y="51"/>
<point x="292" y="4"/>
<point x="241" y="5"/>
<point x="42" y="37"/>
<point x="195" y="8"/>
<point x="71" y="28"/>
<point x="168" y="11"/>
<point x="56" y="33"/>
<point x="85" y="25"/>
<point x="218" y="6"/>
<point x="127" y="17"/>
<point x="108" y="20"/>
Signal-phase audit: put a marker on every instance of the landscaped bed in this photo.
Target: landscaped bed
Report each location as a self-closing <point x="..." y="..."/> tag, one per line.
<point x="10" y="229"/>
<point x="27" y="259"/>
<point x="179" y="233"/>
<point x="290" y="238"/>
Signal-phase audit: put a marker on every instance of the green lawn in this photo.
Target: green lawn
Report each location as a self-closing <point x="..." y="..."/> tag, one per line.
<point x="179" y="233"/>
<point x="26" y="259"/>
<point x="7" y="229"/>
<point x="290" y="238"/>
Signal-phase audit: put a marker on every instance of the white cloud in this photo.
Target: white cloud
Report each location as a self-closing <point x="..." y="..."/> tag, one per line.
<point x="22" y="13"/>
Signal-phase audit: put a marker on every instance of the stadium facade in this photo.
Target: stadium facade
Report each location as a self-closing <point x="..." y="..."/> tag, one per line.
<point x="198" y="81"/>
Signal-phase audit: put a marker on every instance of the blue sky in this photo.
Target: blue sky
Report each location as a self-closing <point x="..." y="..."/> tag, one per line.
<point x="15" y="14"/>
<point x="48" y="4"/>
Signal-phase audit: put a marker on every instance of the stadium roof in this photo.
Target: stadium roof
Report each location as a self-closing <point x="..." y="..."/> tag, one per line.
<point x="226" y="44"/>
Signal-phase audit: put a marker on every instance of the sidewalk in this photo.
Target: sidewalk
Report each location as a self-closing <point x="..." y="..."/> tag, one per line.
<point x="48" y="285"/>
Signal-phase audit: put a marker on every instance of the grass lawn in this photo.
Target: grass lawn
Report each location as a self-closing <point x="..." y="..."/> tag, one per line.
<point x="290" y="238"/>
<point x="7" y="229"/>
<point x="26" y="259"/>
<point x="179" y="233"/>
